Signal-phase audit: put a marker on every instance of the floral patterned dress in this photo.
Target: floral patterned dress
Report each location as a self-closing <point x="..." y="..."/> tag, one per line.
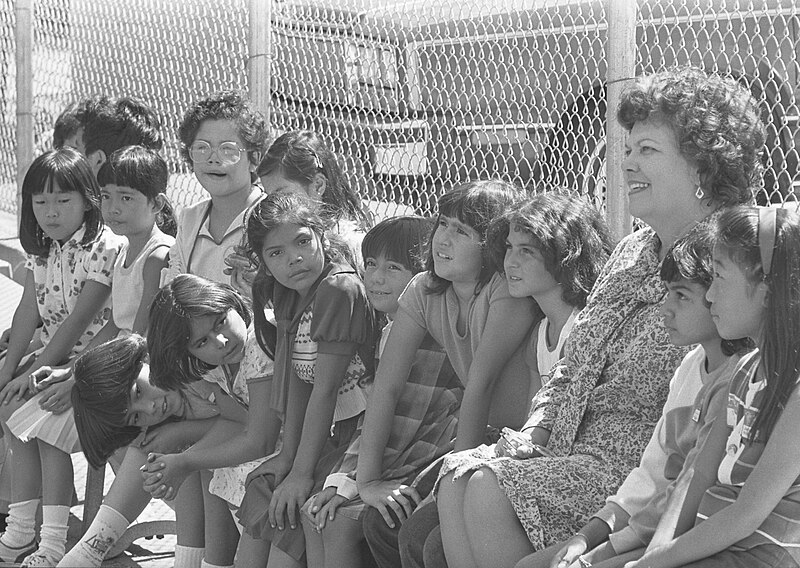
<point x="601" y="404"/>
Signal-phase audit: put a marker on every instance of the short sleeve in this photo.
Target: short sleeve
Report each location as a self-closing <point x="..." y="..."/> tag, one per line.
<point x="101" y="258"/>
<point x="413" y="299"/>
<point x="256" y="366"/>
<point x="341" y="313"/>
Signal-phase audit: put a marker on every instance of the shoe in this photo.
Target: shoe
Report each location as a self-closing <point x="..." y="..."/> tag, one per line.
<point x="41" y="559"/>
<point x="14" y="555"/>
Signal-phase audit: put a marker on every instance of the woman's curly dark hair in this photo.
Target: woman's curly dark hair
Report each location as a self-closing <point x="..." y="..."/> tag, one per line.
<point x="717" y="123"/>
<point x="570" y="234"/>
<point x="226" y="105"/>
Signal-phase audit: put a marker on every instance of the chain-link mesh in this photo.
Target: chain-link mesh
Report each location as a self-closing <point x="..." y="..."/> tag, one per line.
<point x="414" y="95"/>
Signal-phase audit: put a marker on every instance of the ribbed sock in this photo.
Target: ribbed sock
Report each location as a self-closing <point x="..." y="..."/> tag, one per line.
<point x="105" y="530"/>
<point x="53" y="535"/>
<point x="20" y="524"/>
<point x="188" y="556"/>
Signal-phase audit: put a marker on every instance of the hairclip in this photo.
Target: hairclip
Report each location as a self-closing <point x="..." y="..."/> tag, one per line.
<point x="767" y="232"/>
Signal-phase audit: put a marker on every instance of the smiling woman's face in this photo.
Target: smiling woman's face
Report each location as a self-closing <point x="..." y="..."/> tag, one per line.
<point x="661" y="182"/>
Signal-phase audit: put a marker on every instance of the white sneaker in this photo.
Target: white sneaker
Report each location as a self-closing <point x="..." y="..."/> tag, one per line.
<point x="41" y="559"/>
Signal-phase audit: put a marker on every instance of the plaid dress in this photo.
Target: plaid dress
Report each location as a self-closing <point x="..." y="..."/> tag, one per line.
<point x="423" y="426"/>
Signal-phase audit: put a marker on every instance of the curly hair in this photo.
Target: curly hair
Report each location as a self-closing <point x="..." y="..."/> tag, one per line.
<point x="226" y="105"/>
<point x="126" y="122"/>
<point x="717" y="123"/>
<point x="176" y="304"/>
<point x="101" y="396"/>
<point x="476" y="204"/>
<point x="570" y="234"/>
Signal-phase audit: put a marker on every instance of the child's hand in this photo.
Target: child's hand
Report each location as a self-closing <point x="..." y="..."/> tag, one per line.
<point x="57" y="397"/>
<point x="569" y="553"/>
<point x="277" y="466"/>
<point x="45" y="376"/>
<point x="322" y="507"/>
<point x="388" y="496"/>
<point x="16" y="388"/>
<point x="163" y="475"/>
<point x="287" y="499"/>
<point x="242" y="273"/>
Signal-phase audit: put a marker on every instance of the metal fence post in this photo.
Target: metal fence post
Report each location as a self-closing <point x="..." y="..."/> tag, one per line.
<point x="24" y="61"/>
<point x="621" y="53"/>
<point x="259" y="60"/>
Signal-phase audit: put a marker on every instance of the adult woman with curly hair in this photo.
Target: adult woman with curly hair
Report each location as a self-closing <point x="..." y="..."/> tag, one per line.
<point x="693" y="148"/>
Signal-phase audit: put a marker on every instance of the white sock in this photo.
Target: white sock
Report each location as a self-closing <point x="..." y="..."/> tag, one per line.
<point x="188" y="556"/>
<point x="105" y="530"/>
<point x="20" y="524"/>
<point x="205" y="564"/>
<point x="53" y="535"/>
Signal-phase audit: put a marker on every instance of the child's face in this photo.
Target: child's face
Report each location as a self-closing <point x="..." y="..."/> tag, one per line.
<point x="150" y="405"/>
<point x="218" y="339"/>
<point x="217" y="174"/>
<point x="293" y="255"/>
<point x="59" y="213"/>
<point x="737" y="305"/>
<point x="457" y="251"/>
<point x="686" y="314"/>
<point x="385" y="280"/>
<point x="127" y="211"/>
<point x="524" y="266"/>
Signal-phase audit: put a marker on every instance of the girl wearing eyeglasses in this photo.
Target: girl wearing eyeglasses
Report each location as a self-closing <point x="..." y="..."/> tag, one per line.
<point x="223" y="138"/>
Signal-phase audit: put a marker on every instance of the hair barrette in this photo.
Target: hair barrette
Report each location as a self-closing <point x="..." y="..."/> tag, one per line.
<point x="767" y="233"/>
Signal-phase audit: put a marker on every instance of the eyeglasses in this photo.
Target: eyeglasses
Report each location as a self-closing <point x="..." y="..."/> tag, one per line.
<point x="227" y="152"/>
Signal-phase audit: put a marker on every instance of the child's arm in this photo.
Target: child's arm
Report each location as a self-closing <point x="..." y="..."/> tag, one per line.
<point x="506" y="327"/>
<point x="295" y="488"/>
<point x="227" y="443"/>
<point x="26" y="319"/>
<point x="405" y="338"/>
<point x="776" y="470"/>
<point x="151" y="276"/>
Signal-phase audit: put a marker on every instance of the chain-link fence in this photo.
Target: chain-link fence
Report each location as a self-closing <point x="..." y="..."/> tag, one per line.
<point x="414" y="95"/>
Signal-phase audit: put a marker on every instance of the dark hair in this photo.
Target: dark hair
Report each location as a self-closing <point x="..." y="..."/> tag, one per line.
<point x="716" y="121"/>
<point x="736" y="235"/>
<point x="145" y="171"/>
<point x="302" y="154"/>
<point x="272" y="211"/>
<point x="67" y="169"/>
<point x="476" y="204"/>
<point x="690" y="258"/>
<point x="570" y="234"/>
<point x="185" y="298"/>
<point x="75" y="116"/>
<point x="400" y="239"/>
<point x="226" y="105"/>
<point x="129" y="121"/>
<point x="104" y="376"/>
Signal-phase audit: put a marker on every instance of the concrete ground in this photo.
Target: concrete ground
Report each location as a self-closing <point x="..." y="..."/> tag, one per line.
<point x="145" y="553"/>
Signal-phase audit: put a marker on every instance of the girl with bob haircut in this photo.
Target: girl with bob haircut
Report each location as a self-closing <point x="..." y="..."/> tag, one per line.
<point x="67" y="288"/>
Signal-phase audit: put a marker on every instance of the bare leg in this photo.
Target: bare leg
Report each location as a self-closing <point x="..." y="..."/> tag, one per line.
<point x="315" y="547"/>
<point x="279" y="559"/>
<point x="59" y="481"/>
<point x="540" y="559"/>
<point x="495" y="535"/>
<point x="222" y="536"/>
<point x="450" y="502"/>
<point x="342" y="538"/>
<point x="252" y="552"/>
